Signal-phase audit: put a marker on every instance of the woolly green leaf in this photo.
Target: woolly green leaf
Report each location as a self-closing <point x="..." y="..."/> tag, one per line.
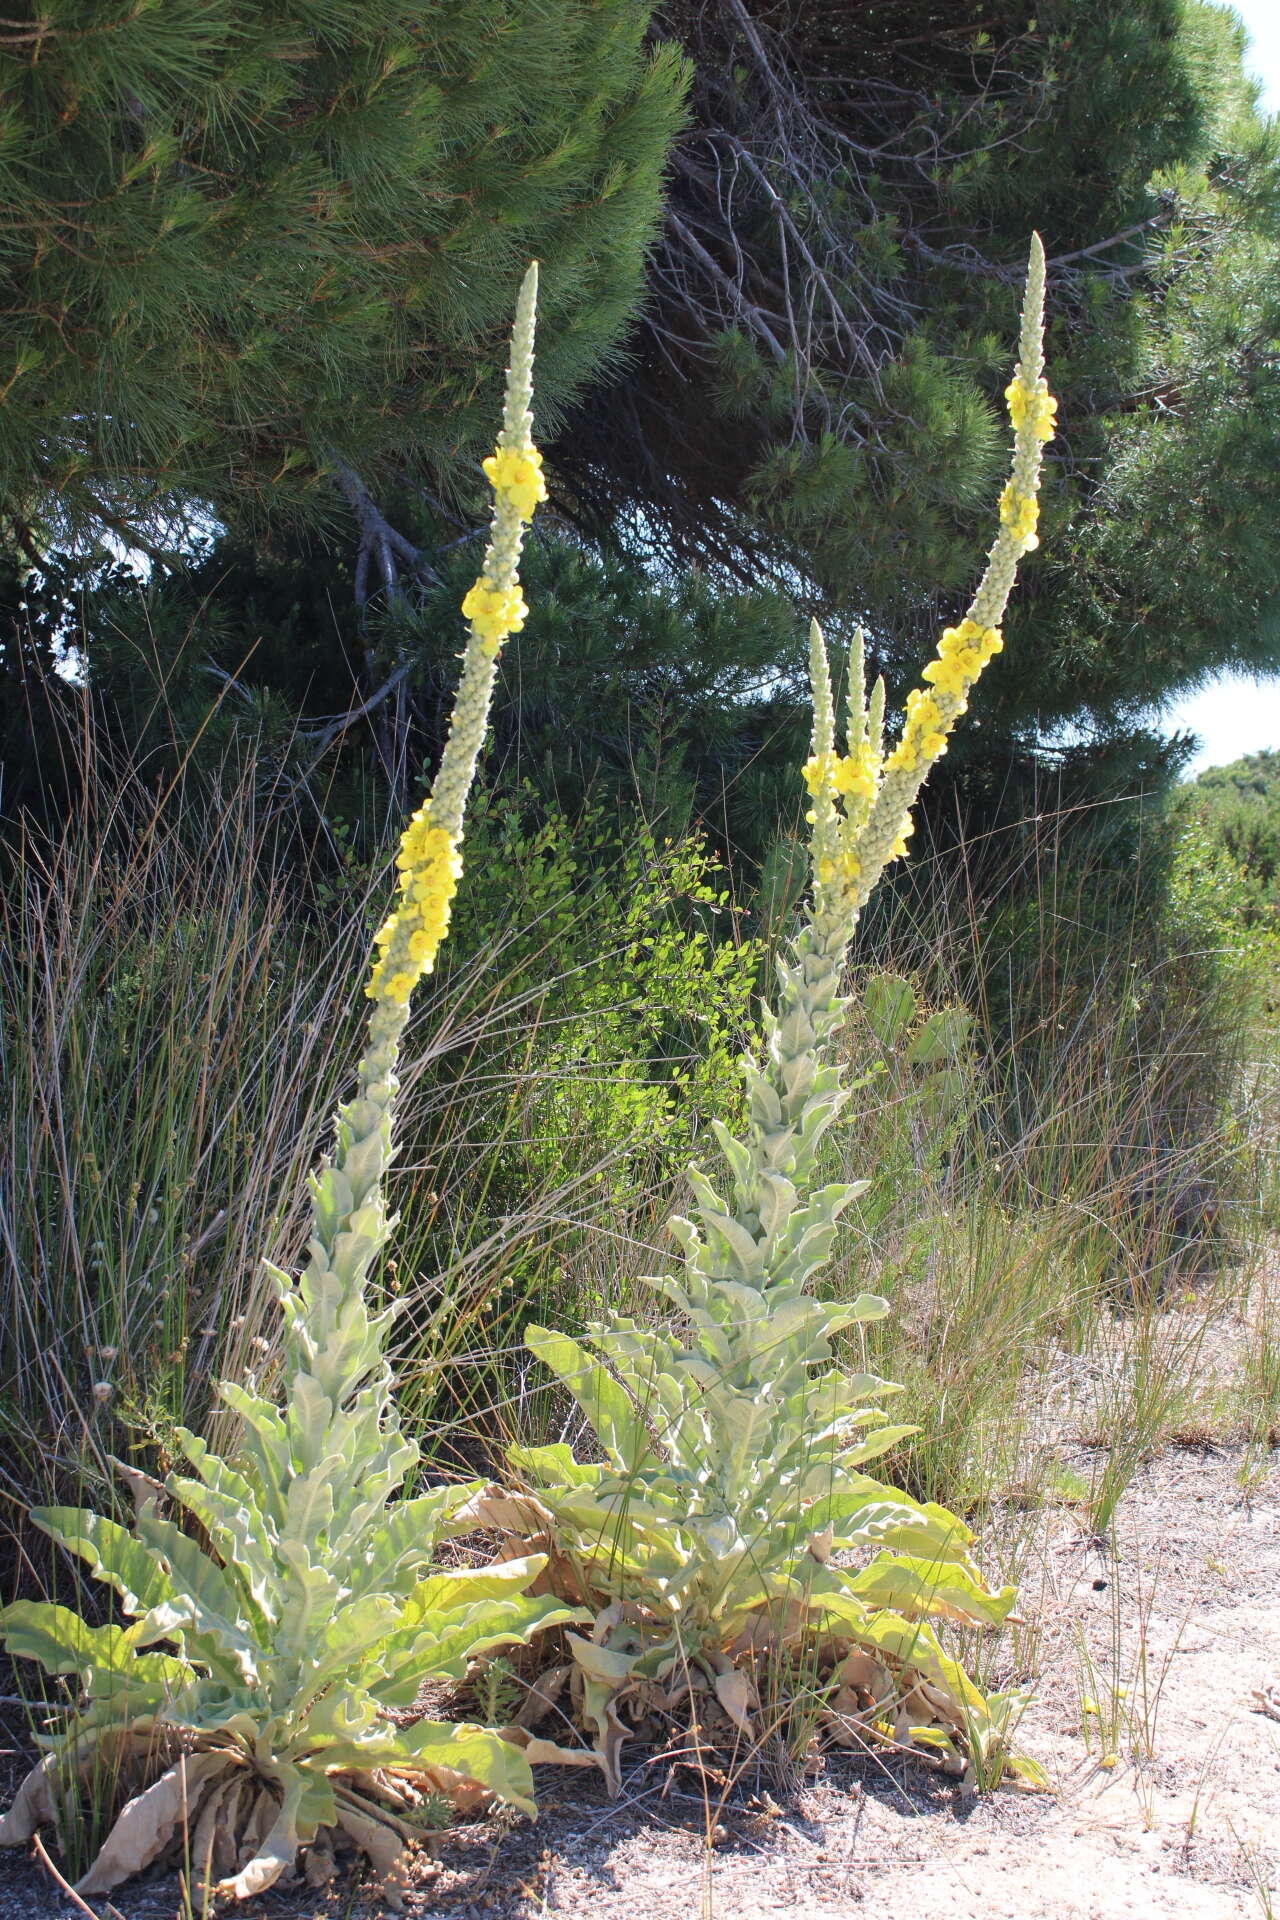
<point x="476" y="1754"/>
<point x="227" y="1483"/>
<point x="933" y="1589"/>
<point x="340" y="1643"/>
<point x="345" y="1715"/>
<point x="64" y="1643"/>
<point x="608" y="1408"/>
<point x="239" y="1533"/>
<point x="406" y="1539"/>
<point x="307" y="1419"/>
<point x="553" y="1463"/>
<point x="268" y="1439"/>
<point x="310" y="1597"/>
<point x="112" y="1553"/>
<point x="451" y="1617"/>
<point x="874" y="1445"/>
<point x="204" y="1598"/>
<point x="859" y="1509"/>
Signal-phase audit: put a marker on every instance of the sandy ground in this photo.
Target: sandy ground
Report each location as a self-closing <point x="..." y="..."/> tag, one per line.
<point x="1185" y="1615"/>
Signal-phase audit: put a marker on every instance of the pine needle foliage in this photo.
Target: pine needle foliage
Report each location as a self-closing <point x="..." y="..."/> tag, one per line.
<point x="815" y="386"/>
<point x="248" y="245"/>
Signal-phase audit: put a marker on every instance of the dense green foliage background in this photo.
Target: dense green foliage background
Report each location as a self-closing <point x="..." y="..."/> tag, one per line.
<point x="1236" y="812"/>
<point x="817" y="386"/>
<point x="249" y="247"/>
<point x="268" y="342"/>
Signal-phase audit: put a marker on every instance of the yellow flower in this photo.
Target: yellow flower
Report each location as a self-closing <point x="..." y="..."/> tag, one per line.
<point x="850" y="774"/>
<point x="494" y="612"/>
<point x="517" y="477"/>
<point x="819" y="771"/>
<point x="856" y="773"/>
<point x="407" y="943"/>
<point x="948" y="676"/>
<point x="1034" y="406"/>
<point x="1020" y="513"/>
<point x="844" y="867"/>
<point x="429" y="861"/>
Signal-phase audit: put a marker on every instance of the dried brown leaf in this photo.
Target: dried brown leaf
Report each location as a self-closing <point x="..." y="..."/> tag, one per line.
<point x="34" y="1806"/>
<point x="543" y="1753"/>
<point x="148" y="1822"/>
<point x="543" y="1695"/>
<point x="319" y="1865"/>
<point x="517" y="1513"/>
<point x="739" y="1699"/>
<point x="213" y="1844"/>
<point x="864" y="1671"/>
<point x="388" y="1852"/>
<point x="258" y="1825"/>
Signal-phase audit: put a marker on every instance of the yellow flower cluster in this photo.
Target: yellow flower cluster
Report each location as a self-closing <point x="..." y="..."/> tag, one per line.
<point x="963" y="652"/>
<point x="517" y="477"/>
<point x="844" y="867"/>
<point x="852" y="773"/>
<point x="407" y="943"/>
<point x="1033" y="406"/>
<point x="861" y="816"/>
<point x="495" y="612"/>
<point x="1020" y="513"/>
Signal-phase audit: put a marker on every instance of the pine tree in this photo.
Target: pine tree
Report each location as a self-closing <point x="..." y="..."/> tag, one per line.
<point x="666" y="698"/>
<point x="816" y="393"/>
<point x="252" y="250"/>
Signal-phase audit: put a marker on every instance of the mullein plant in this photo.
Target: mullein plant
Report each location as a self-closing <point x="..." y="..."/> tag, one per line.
<point x="267" y="1673"/>
<point x="731" y="1529"/>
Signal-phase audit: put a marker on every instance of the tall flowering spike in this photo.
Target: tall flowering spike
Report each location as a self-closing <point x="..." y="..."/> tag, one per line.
<point x="429" y="859"/>
<point x="860" y="818"/>
<point x="824" y="719"/>
<point x="861" y="799"/>
<point x="308" y="1608"/>
<point x="349" y="1219"/>
<point x="857" y="690"/>
<point x="933" y="708"/>
<point x="875" y="715"/>
<point x="824" y="838"/>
